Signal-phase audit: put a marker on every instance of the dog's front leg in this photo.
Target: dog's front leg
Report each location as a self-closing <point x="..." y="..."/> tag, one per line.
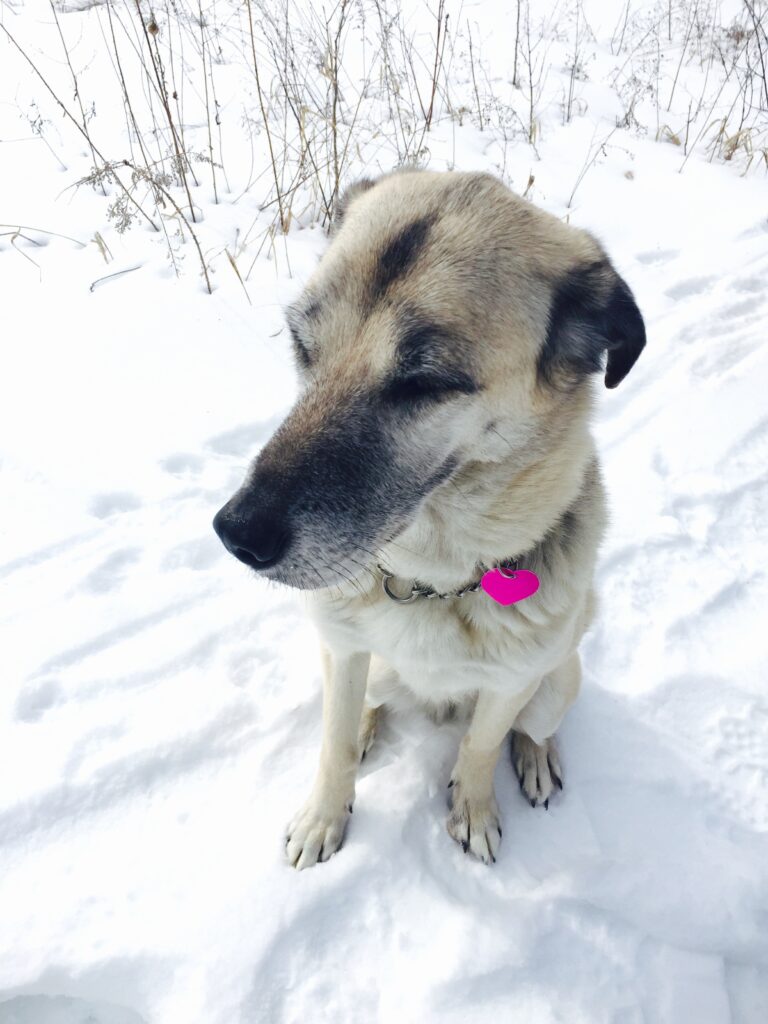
<point x="317" y="831"/>
<point x="474" y="818"/>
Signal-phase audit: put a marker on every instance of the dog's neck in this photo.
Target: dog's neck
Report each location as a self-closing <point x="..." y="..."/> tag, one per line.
<point x="489" y="512"/>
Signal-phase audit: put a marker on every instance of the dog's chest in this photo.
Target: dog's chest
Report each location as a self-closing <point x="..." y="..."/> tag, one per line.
<point x="443" y="649"/>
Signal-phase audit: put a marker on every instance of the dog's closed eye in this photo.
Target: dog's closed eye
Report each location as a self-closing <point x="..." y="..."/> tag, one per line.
<point x="428" y="387"/>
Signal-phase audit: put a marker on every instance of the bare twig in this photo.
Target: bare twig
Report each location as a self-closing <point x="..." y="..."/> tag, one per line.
<point x="42" y="231"/>
<point x="474" y="80"/>
<point x="283" y="218"/>
<point x="589" y="162"/>
<point x="108" y="277"/>
<point x="157" y="67"/>
<point x="76" y="87"/>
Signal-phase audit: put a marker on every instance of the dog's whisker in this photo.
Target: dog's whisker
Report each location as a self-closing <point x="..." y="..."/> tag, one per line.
<point x="370" y="572"/>
<point x="394" y="542"/>
<point x="375" y="557"/>
<point x="317" y="572"/>
<point x="351" y="579"/>
<point x="362" y="567"/>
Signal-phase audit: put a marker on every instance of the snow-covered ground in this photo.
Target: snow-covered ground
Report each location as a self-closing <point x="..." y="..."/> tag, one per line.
<point x="160" y="709"/>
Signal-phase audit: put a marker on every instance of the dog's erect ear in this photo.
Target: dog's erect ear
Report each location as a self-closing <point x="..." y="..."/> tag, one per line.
<point x="592" y="312"/>
<point x="347" y="197"/>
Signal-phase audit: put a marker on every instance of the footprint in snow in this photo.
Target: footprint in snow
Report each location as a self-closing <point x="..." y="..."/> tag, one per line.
<point x="42" y="1009"/>
<point x="182" y="464"/>
<point x="657" y="256"/>
<point x="719" y="361"/>
<point x="198" y="554"/>
<point x="748" y="455"/>
<point x="111" y="572"/>
<point x="756" y="230"/>
<point x="742" y="308"/>
<point x="693" y="286"/>
<point x="35" y="698"/>
<point x="105" y="505"/>
<point x="749" y="284"/>
<point x="245" y="439"/>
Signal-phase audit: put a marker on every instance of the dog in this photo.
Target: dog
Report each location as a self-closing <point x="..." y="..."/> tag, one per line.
<point x="447" y="347"/>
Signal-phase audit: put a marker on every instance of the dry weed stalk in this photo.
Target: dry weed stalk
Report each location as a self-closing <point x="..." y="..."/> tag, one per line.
<point x="150" y="31"/>
<point x="284" y="220"/>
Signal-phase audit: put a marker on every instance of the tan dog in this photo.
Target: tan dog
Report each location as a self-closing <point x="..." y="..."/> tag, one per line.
<point x="446" y="344"/>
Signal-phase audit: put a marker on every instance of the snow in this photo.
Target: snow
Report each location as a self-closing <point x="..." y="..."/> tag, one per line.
<point x="160" y="709"/>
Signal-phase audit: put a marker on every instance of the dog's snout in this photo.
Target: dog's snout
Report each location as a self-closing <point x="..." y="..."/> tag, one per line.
<point x="258" y="539"/>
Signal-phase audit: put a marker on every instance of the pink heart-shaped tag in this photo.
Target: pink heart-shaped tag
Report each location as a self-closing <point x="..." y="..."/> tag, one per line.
<point x="511" y="588"/>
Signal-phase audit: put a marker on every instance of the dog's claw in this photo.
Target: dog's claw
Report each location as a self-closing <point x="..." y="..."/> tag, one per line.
<point x="537" y="767"/>
<point x="553" y="773"/>
<point x="474" y="823"/>
<point x="315" y="834"/>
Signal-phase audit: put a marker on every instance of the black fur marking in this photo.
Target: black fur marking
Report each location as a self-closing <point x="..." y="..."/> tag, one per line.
<point x="331" y="483"/>
<point x="569" y="528"/>
<point x="446" y="470"/>
<point x="312" y="309"/>
<point x="592" y="312"/>
<point x="399" y="256"/>
<point x="301" y="350"/>
<point x="297" y="320"/>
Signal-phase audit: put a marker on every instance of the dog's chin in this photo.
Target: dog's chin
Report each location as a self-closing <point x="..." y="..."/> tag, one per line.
<point x="354" y="570"/>
<point x="295" y="578"/>
<point x="316" y="575"/>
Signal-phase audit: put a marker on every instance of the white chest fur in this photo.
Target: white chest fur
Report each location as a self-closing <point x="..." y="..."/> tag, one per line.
<point x="447" y="649"/>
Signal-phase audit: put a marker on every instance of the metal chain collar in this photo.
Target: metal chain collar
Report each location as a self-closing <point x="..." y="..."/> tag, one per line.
<point x="511" y="565"/>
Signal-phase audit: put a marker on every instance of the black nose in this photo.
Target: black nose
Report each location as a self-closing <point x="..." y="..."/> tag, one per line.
<point x="257" y="539"/>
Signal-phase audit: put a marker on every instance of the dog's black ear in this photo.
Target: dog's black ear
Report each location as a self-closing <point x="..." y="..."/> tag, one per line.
<point x="347" y="197"/>
<point x="592" y="311"/>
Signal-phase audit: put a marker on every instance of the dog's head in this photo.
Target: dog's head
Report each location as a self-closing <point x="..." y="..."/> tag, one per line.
<point x="446" y="321"/>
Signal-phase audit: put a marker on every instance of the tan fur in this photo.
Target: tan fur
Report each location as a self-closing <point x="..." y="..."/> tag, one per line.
<point x="527" y="460"/>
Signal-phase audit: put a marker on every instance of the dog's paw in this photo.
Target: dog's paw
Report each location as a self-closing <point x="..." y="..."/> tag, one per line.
<point x="537" y="767"/>
<point x="474" y="823"/>
<point x="317" y="832"/>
